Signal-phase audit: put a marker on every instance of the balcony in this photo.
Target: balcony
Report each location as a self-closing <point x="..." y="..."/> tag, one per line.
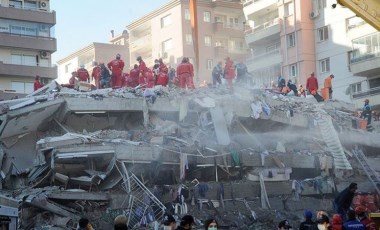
<point x="366" y="55"/>
<point x="221" y="51"/>
<point x="28" y="71"/>
<point x="143" y="43"/>
<point x="264" y="60"/>
<point x="253" y="6"/>
<point x="28" y="42"/>
<point x="263" y="31"/>
<point x="237" y="29"/>
<point x="31" y="15"/>
<point x="372" y="94"/>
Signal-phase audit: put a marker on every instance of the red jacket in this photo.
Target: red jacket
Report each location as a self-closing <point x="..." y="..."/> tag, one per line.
<point x="163" y="68"/>
<point x="37" y="85"/>
<point x="133" y="79"/>
<point x="337" y="222"/>
<point x="150" y="79"/>
<point x="229" y="70"/>
<point x="162" y="79"/>
<point x="83" y="75"/>
<point x="96" y="73"/>
<point x="116" y="66"/>
<point x="185" y="68"/>
<point x="369" y="225"/>
<point x="312" y="84"/>
<point x="142" y="67"/>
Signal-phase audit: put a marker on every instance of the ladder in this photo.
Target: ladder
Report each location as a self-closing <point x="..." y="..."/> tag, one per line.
<point x="331" y="138"/>
<point x="372" y="175"/>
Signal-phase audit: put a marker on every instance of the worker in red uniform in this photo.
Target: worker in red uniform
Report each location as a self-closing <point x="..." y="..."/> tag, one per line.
<point x="37" y="83"/>
<point x="133" y="79"/>
<point x="116" y="66"/>
<point x="312" y="84"/>
<point x="185" y="73"/>
<point x="362" y="216"/>
<point x="162" y="78"/>
<point x="149" y="78"/>
<point x="163" y="68"/>
<point x="95" y="75"/>
<point x="229" y="72"/>
<point x="83" y="74"/>
<point x="124" y="79"/>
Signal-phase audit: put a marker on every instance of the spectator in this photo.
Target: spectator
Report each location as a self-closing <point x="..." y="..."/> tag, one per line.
<point x="187" y="222"/>
<point x="211" y="224"/>
<point x="169" y="222"/>
<point x="308" y="221"/>
<point x="37" y="83"/>
<point x="120" y="223"/>
<point x="284" y="225"/>
<point x="342" y="202"/>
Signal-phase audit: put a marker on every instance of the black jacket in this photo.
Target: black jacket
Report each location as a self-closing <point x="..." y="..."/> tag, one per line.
<point x="344" y="199"/>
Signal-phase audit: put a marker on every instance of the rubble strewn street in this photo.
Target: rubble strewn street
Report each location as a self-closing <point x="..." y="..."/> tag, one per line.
<point x="249" y="157"/>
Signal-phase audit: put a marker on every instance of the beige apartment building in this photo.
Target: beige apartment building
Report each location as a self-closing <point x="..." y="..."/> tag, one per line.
<point x="95" y="52"/>
<point x="166" y="33"/>
<point x="26" y="44"/>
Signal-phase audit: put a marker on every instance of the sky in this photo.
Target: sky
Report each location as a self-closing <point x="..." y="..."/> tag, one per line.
<point x="82" y="22"/>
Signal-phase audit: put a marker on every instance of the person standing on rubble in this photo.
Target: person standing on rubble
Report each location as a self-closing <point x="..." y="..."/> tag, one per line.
<point x="229" y="72"/>
<point x="241" y="72"/>
<point x="185" y="73"/>
<point x="342" y="202"/>
<point x="37" y="83"/>
<point x="327" y="84"/>
<point x="312" y="84"/>
<point x="162" y="76"/>
<point x="133" y="79"/>
<point x="116" y="66"/>
<point x="83" y="74"/>
<point x="367" y="112"/>
<point x="217" y="73"/>
<point x="104" y="76"/>
<point x="95" y="75"/>
<point x="280" y="83"/>
<point x="292" y="87"/>
<point x="308" y="221"/>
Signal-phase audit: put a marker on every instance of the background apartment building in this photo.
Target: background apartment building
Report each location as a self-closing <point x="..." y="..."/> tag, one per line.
<point x="166" y="33"/>
<point x="295" y="37"/>
<point x="26" y="44"/>
<point x="95" y="52"/>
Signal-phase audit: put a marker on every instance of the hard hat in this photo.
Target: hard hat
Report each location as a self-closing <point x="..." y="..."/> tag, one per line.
<point x="118" y="56"/>
<point x="82" y="66"/>
<point x="366" y="101"/>
<point x="139" y="58"/>
<point x="359" y="210"/>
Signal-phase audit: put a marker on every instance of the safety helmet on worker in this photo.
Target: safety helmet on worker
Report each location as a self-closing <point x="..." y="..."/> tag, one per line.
<point x="81" y="66"/>
<point x="138" y="58"/>
<point x="118" y="56"/>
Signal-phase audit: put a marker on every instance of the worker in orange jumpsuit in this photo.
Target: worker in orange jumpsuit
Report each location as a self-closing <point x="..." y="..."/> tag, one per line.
<point x="328" y="84"/>
<point x="95" y="75"/>
<point x="185" y="72"/>
<point x="312" y="84"/>
<point x="229" y="72"/>
<point x="133" y="79"/>
<point x="37" y="84"/>
<point x="83" y="74"/>
<point x="116" y="66"/>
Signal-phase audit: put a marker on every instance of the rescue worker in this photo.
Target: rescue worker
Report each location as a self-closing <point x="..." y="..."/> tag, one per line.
<point x="185" y="73"/>
<point x="342" y="202"/>
<point x="73" y="81"/>
<point x="305" y="225"/>
<point x="124" y="79"/>
<point x="83" y="74"/>
<point x="116" y="66"/>
<point x="352" y="223"/>
<point x="142" y="65"/>
<point x="292" y="87"/>
<point x="162" y="78"/>
<point x="104" y="76"/>
<point x="280" y="83"/>
<point x="95" y="75"/>
<point x="312" y="84"/>
<point x="366" y="113"/>
<point x="133" y="79"/>
<point x="229" y="72"/>
<point x="149" y="78"/>
<point x="301" y="91"/>
<point x="241" y="72"/>
<point x="186" y="223"/>
<point x="37" y="84"/>
<point x="156" y="67"/>
<point x="327" y="84"/>
<point x="163" y="68"/>
<point x="337" y="222"/>
<point x="362" y="216"/>
<point x="217" y="73"/>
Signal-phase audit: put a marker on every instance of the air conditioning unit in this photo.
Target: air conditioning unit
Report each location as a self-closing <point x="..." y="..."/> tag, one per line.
<point x="314" y="14"/>
<point x="44" y="5"/>
<point x="44" y="55"/>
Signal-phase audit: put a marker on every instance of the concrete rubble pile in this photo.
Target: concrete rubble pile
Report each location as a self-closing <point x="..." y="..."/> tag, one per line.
<point x="248" y="158"/>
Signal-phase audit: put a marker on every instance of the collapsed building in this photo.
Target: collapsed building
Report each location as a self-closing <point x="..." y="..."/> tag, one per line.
<point x="248" y="158"/>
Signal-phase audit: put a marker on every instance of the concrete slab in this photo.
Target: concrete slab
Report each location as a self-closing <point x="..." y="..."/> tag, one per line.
<point x="220" y="126"/>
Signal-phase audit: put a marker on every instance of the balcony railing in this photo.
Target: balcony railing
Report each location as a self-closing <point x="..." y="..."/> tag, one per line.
<point x="370" y="92"/>
<point x="366" y="47"/>
<point x="30" y="36"/>
<point x="263" y="26"/>
<point x="227" y="25"/>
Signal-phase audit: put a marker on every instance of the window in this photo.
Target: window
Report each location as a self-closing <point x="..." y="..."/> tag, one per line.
<point x="323" y="33"/>
<point x="22" y="87"/>
<point x="23" y="30"/>
<point x="272" y="48"/>
<point x="324" y="65"/>
<point x="189" y="39"/>
<point x="22" y="59"/>
<point x="187" y="14"/>
<point x="207" y="16"/>
<point x="207" y="41"/>
<point x="233" y="22"/>
<point x="16" y="4"/>
<point x="30" y="5"/>
<point x="218" y="18"/>
<point x="218" y="43"/>
<point x="356" y="87"/>
<point x="67" y="68"/>
<point x="167" y="45"/>
<point x="166" y="21"/>
<point x="289" y="9"/>
<point x="293" y="70"/>
<point x="209" y="64"/>
<point x="291" y="39"/>
<point x="354" y="22"/>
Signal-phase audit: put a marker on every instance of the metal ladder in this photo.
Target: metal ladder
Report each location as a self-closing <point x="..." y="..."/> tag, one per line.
<point x="331" y="138"/>
<point x="372" y="175"/>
